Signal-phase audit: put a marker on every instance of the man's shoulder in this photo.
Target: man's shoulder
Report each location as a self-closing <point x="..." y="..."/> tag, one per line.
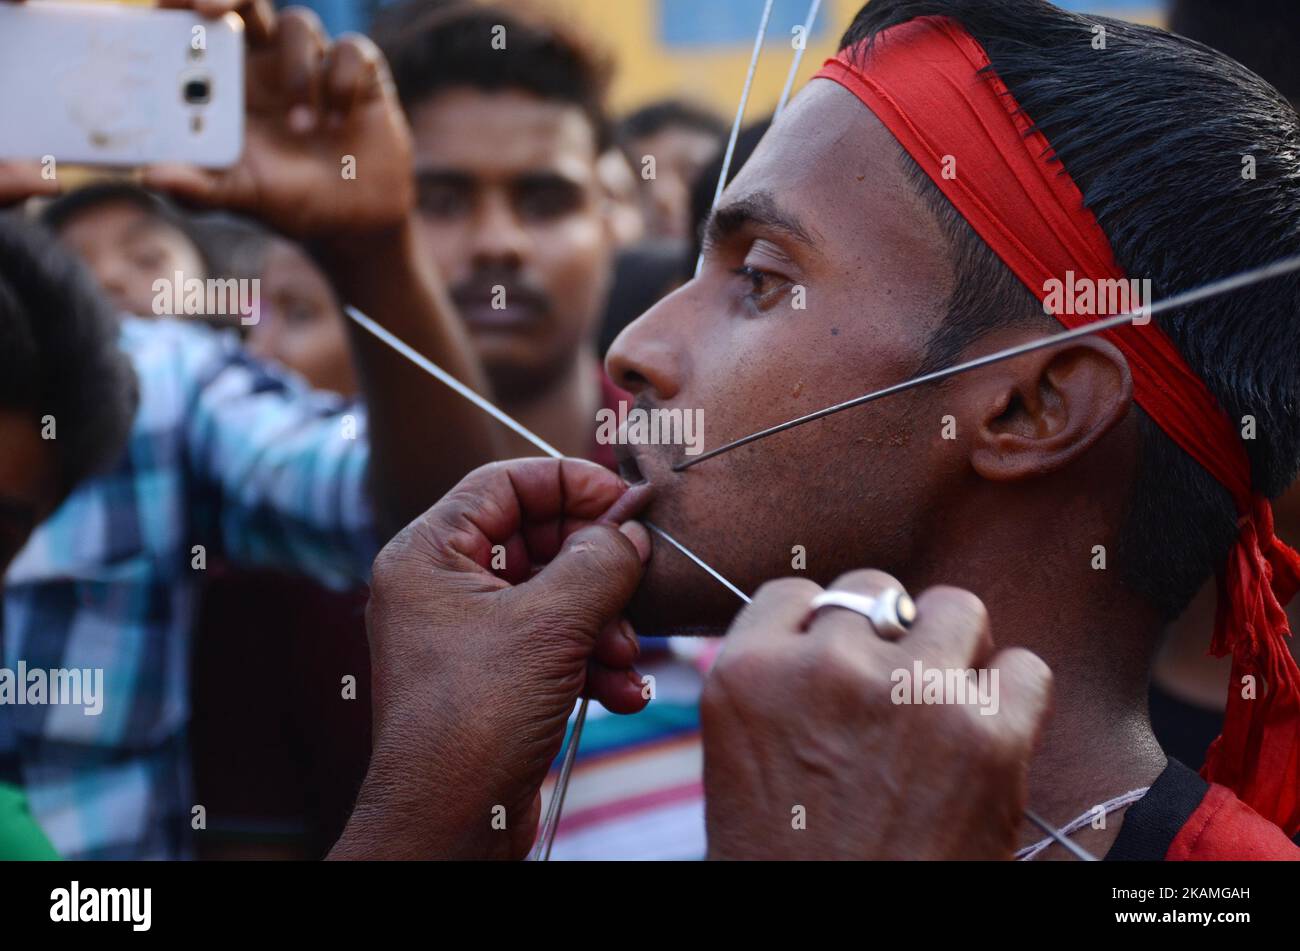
<point x="1224" y="827"/>
<point x="1184" y="818"/>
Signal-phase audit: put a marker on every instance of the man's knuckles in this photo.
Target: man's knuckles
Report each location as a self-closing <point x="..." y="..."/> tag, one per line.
<point x="952" y="627"/>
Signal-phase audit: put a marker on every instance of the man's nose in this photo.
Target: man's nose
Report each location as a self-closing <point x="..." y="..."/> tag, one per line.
<point x="498" y="237"/>
<point x="647" y="357"/>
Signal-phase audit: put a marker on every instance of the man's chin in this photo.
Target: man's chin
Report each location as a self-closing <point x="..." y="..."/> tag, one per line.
<point x="669" y="607"/>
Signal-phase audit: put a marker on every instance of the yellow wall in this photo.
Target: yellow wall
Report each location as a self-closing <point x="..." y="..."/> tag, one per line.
<point x="710" y="75"/>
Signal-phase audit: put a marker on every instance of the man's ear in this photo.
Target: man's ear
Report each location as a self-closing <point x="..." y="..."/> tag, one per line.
<point x="1039" y="412"/>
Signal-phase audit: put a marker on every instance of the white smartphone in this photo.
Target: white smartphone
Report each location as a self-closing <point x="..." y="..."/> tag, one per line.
<point x="119" y="85"/>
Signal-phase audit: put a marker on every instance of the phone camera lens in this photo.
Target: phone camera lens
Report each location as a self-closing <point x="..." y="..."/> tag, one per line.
<point x="197" y="92"/>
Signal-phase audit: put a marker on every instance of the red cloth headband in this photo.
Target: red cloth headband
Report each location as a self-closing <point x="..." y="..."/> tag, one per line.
<point x="930" y="83"/>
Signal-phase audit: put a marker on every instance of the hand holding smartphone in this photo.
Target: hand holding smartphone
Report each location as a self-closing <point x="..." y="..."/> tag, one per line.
<point x="120" y="86"/>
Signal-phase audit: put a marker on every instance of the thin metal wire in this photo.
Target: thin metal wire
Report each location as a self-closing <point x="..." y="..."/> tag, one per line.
<point x="740" y="115"/>
<point x="541" y="850"/>
<point x="1204" y="292"/>
<point x="1077" y="851"/>
<point x="428" y="366"/>
<point x="808" y="22"/>
<point x="696" y="558"/>
<point x="546" y="836"/>
<point x="550" y="824"/>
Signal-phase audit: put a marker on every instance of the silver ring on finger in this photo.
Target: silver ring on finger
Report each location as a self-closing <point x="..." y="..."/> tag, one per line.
<point x="890" y="613"/>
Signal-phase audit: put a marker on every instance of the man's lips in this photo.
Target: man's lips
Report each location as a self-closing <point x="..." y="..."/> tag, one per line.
<point x="629" y="468"/>
<point x="478" y="310"/>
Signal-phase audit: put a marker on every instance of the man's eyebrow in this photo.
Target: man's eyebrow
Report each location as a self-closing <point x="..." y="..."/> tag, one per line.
<point x="445" y="178"/>
<point x="545" y="180"/>
<point x="757" y="209"/>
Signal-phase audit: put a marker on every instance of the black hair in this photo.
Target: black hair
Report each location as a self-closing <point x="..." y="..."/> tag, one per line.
<point x="233" y="245"/>
<point x="1156" y="130"/>
<point x="643" y="275"/>
<point x="1262" y="35"/>
<point x="434" y="45"/>
<point x="654" y="117"/>
<point x="65" y="209"/>
<point x="59" y="354"/>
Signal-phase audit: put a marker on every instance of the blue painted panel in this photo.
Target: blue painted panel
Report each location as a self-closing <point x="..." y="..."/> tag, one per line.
<point x="699" y="23"/>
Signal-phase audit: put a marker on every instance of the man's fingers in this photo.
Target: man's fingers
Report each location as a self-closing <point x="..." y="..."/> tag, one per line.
<point x="951" y="629"/>
<point x="197" y="186"/>
<point x="531" y="498"/>
<point x="20" y="180"/>
<point x="258" y="15"/>
<point x="302" y="43"/>
<point x="1025" y="692"/>
<point x="587" y="584"/>
<point x="186" y="182"/>
<point x="778" y="610"/>
<point x="351" y="76"/>
<point x="617" y="645"/>
<point x="833" y="621"/>
<point x="617" y="690"/>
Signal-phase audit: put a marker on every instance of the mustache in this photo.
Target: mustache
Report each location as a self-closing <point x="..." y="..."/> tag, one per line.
<point x="485" y="286"/>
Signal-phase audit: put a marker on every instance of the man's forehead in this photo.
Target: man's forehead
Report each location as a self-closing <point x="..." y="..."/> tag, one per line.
<point x="502" y="132"/>
<point x="827" y="161"/>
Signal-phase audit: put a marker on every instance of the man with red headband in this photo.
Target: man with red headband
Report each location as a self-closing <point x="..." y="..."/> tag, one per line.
<point x="923" y="201"/>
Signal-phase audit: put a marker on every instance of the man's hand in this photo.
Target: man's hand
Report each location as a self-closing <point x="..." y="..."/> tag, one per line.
<point x="328" y="160"/>
<point x="20" y="180"/>
<point x="327" y="149"/>
<point x="488" y="617"/>
<point x="808" y="756"/>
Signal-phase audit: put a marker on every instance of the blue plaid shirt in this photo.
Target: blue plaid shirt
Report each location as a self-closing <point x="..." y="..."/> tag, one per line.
<point x="225" y="453"/>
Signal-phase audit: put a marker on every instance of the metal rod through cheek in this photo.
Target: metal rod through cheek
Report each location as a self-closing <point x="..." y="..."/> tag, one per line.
<point x="541" y="850"/>
<point x="546" y="835"/>
<point x="1195" y="295"/>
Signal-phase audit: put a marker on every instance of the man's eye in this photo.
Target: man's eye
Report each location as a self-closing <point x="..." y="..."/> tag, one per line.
<point x="547" y="202"/>
<point x="441" y="202"/>
<point x="765" y="287"/>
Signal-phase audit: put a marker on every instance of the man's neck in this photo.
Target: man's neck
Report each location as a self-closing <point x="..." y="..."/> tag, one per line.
<point x="563" y="413"/>
<point x="1097" y="742"/>
<point x="1043" y="594"/>
<point x="1090" y="752"/>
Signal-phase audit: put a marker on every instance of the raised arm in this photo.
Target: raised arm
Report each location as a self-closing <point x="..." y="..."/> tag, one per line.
<point x="327" y="160"/>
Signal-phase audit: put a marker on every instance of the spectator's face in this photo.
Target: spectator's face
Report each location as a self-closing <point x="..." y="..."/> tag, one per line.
<point x="27" y="478"/>
<point x="127" y="249"/>
<point x="862" y="487"/>
<point x="679" y="153"/>
<point x="300" y="324"/>
<point x="512" y="205"/>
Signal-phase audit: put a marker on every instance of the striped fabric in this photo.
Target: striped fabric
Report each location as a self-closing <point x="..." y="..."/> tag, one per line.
<point x="225" y="453"/>
<point x="637" y="786"/>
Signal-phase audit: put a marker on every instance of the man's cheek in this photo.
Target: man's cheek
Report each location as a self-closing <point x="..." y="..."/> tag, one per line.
<point x="448" y="243"/>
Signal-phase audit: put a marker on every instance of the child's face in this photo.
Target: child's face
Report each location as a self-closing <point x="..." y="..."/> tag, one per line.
<point x="299" y="323"/>
<point x="128" y="249"/>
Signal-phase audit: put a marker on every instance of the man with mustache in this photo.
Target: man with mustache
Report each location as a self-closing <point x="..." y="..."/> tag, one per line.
<point x="512" y="144"/>
<point x="509" y="129"/>
<point x="923" y="193"/>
